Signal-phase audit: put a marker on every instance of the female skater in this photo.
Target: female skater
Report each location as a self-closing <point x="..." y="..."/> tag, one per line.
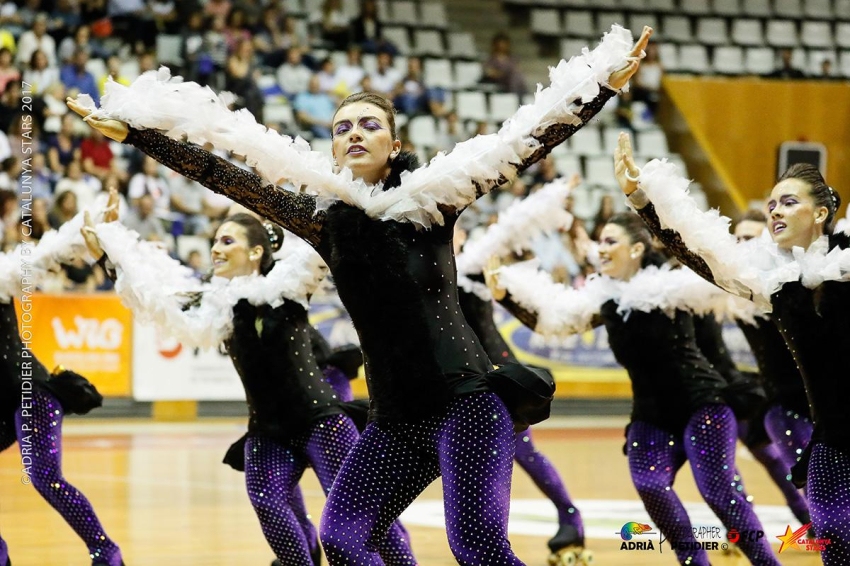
<point x="678" y="412"/>
<point x="748" y="400"/>
<point x="786" y="416"/>
<point x="34" y="401"/>
<point x="800" y="277"/>
<point x="515" y="229"/>
<point x="257" y="309"/>
<point x="433" y="411"/>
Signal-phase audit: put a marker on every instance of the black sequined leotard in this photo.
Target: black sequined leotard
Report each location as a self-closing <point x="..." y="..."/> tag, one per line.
<point x="479" y="315"/>
<point x="670" y="376"/>
<point x="397" y="283"/>
<point x="782" y="379"/>
<point x="272" y="352"/>
<point x="815" y="327"/>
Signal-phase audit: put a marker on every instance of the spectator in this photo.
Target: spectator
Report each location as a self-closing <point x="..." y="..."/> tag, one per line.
<point x="97" y="157"/>
<point x="315" y="109"/>
<point x="787" y="70"/>
<point x="270" y="41"/>
<point x="38" y="223"/>
<point x="83" y="185"/>
<point x="147" y="62"/>
<point x="150" y="181"/>
<point x="10" y="172"/>
<point x="42" y="180"/>
<point x="64" y="209"/>
<point x="215" y="48"/>
<point x="134" y="22"/>
<point x="192" y="49"/>
<point x="367" y="30"/>
<point x="113" y="71"/>
<point x="38" y="75"/>
<point x="75" y="77"/>
<point x="165" y="16"/>
<point x="351" y="74"/>
<point x="64" y="147"/>
<point x="826" y="72"/>
<point x="234" y="31"/>
<point x="37" y="38"/>
<point x="334" y="24"/>
<point x="54" y="108"/>
<point x="241" y="78"/>
<point x="71" y="44"/>
<point x="502" y="69"/>
<point x="252" y="10"/>
<point x="451" y="132"/>
<point x="414" y="98"/>
<point x="93" y="11"/>
<point x="8" y="72"/>
<point x="327" y="77"/>
<point x="217" y="8"/>
<point x="196" y="263"/>
<point x="9" y="213"/>
<point x="646" y="84"/>
<point x="10" y="105"/>
<point x="143" y="220"/>
<point x="386" y="78"/>
<point x="66" y="17"/>
<point x="21" y="137"/>
<point x="293" y="76"/>
<point x="112" y="181"/>
<point x="188" y="200"/>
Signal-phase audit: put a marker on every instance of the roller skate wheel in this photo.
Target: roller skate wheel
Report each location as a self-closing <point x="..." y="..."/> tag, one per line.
<point x="585" y="558"/>
<point x="564" y="557"/>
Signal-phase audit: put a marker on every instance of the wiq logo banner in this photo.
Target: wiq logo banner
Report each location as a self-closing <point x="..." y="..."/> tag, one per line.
<point x="89" y="333"/>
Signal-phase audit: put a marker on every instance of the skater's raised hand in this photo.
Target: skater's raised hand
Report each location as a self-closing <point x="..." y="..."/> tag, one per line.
<point x="491" y="276"/>
<point x="113" y="129"/>
<point x="110" y="214"/>
<point x="625" y="169"/>
<point x="619" y="79"/>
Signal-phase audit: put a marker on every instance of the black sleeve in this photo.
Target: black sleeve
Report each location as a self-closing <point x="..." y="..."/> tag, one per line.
<point x="294" y="211"/>
<point x="674" y="244"/>
<point x="522" y="314"/>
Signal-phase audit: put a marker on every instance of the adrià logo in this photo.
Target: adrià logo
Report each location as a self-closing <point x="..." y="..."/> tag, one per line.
<point x="631" y="530"/>
<point x="91" y="333"/>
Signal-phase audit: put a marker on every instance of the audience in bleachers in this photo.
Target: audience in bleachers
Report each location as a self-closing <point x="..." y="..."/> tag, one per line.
<point x="273" y="53"/>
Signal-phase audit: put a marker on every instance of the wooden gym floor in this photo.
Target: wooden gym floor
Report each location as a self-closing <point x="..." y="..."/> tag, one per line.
<point x="163" y="495"/>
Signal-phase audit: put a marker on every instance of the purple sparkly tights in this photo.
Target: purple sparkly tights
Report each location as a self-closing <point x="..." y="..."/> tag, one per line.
<point x="39" y="435"/>
<point x="273" y="468"/>
<point x="546" y="478"/>
<point x="471" y="445"/>
<point x="708" y="442"/>
<point x="790" y="431"/>
<point x="829" y="500"/>
<point x="768" y="455"/>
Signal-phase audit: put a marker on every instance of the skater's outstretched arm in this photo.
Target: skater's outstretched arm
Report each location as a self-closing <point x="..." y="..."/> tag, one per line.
<point x="544" y="306"/>
<point x="294" y="211"/>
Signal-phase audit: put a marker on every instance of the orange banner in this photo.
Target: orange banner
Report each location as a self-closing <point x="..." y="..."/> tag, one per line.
<point x="90" y="334"/>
